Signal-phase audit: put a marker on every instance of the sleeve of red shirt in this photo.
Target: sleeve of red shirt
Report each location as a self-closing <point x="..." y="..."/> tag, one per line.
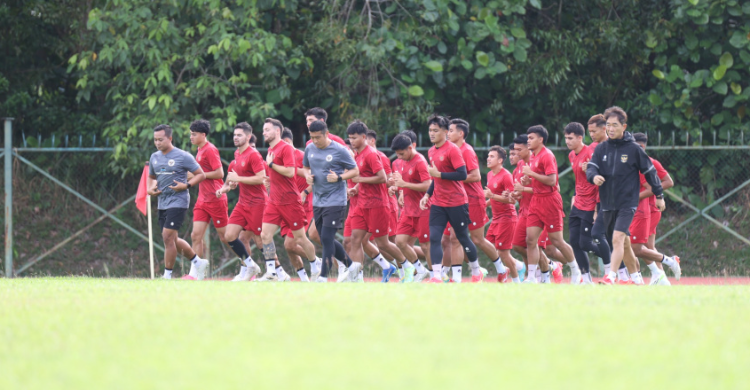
<point x="572" y="157"/>
<point x="422" y="172"/>
<point x="287" y="157"/>
<point x="376" y="164"/>
<point x="231" y="166"/>
<point x="456" y="159"/>
<point x="472" y="162"/>
<point x="660" y="171"/>
<point x="386" y="164"/>
<point x="256" y="163"/>
<point x="214" y="161"/>
<point x="550" y="164"/>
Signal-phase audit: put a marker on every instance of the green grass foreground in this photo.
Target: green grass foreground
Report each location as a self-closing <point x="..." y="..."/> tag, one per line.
<point x="79" y="333"/>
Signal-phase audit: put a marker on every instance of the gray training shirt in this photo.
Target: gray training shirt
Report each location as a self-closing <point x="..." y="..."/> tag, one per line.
<point x="170" y="167"/>
<point x="321" y="161"/>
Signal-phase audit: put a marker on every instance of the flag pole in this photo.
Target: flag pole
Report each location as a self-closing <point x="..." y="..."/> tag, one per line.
<point x="150" y="238"/>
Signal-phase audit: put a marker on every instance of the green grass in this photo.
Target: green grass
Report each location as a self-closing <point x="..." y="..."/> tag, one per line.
<point x="115" y="334"/>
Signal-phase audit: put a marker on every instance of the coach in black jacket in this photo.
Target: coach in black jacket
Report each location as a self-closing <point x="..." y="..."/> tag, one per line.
<point x="614" y="167"/>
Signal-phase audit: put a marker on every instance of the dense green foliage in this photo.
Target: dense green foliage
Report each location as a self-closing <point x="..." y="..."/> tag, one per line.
<point x="681" y="65"/>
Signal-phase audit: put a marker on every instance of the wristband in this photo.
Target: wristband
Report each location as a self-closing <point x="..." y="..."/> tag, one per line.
<point x="307" y="192"/>
<point x="340" y="178"/>
<point x="660" y="196"/>
<point x="270" y="165"/>
<point x="189" y="185"/>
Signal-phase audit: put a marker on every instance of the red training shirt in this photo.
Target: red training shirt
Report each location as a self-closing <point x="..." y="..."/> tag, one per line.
<point x="209" y="160"/>
<point x="370" y="196"/>
<point x="283" y="189"/>
<point x="503" y="181"/>
<point x="447" y="193"/>
<point x="586" y="193"/>
<point x="544" y="164"/>
<point x="249" y="164"/>
<point x="413" y="171"/>
<point x="474" y="190"/>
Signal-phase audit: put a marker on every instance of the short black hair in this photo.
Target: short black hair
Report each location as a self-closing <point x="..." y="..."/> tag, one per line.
<point x="440" y="121"/>
<point x="245" y="127"/>
<point x="167" y="130"/>
<point x="640" y="138"/>
<point x="575" y="128"/>
<point x="618" y="112"/>
<point x="401" y="142"/>
<point x="461" y="125"/>
<point x="411" y="134"/>
<point x="522" y="139"/>
<point x="253" y="139"/>
<point x="201" y="126"/>
<point x="540" y="131"/>
<point x="318" y="113"/>
<point x="276" y="123"/>
<point x="346" y="141"/>
<point x="287" y="134"/>
<point x="318" y="126"/>
<point x="357" y="127"/>
<point x="372" y="134"/>
<point x="598" y="120"/>
<point x="500" y="152"/>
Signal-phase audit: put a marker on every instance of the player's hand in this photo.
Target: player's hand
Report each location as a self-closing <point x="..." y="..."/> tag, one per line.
<point x="517" y="186"/>
<point x="487" y="193"/>
<point x="232" y="185"/>
<point x="332" y="176"/>
<point x="525" y="180"/>
<point x="599" y="180"/>
<point x="398" y="180"/>
<point x="424" y="201"/>
<point x="302" y="197"/>
<point x="178" y="187"/>
<point x="357" y="179"/>
<point x="401" y="198"/>
<point x="433" y="170"/>
<point x="527" y="170"/>
<point x="585" y="165"/>
<point x="661" y="205"/>
<point x="267" y="182"/>
<point x="517" y="195"/>
<point x="154" y="191"/>
<point x="269" y="158"/>
<point x="310" y="179"/>
<point x="232" y="176"/>
<point x="392" y="190"/>
<point x="352" y="192"/>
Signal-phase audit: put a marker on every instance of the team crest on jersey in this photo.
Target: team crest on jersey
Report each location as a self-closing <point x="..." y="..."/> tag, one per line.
<point x="199" y="158"/>
<point x="410" y="171"/>
<point x="442" y="158"/>
<point x="170" y="163"/>
<point x="495" y="185"/>
<point x="243" y="163"/>
<point x="329" y="157"/>
<point x="624" y="158"/>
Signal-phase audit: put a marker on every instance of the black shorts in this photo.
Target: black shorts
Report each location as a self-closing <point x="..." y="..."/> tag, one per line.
<point x="458" y="216"/>
<point x="609" y="221"/>
<point x="172" y="218"/>
<point x="579" y="216"/>
<point x="332" y="216"/>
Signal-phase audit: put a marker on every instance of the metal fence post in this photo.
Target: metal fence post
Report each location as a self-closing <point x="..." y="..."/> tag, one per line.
<point x="8" y="198"/>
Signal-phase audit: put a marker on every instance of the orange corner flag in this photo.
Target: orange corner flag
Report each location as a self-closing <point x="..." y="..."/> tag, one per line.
<point x="140" y="196"/>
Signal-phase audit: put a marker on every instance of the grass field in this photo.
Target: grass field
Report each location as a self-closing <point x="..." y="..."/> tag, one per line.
<point x="115" y="334"/>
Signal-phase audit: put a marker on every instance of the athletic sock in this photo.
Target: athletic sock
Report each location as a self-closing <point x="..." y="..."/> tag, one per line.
<point x="587" y="277"/>
<point x="499" y="266"/>
<point x="607" y="269"/>
<point x="271" y="266"/>
<point x="668" y="261"/>
<point x="654" y="269"/>
<point x="457" y="271"/>
<point x="538" y="274"/>
<point x="381" y="261"/>
<point x="401" y="272"/>
<point x="545" y="277"/>
<point x="573" y="266"/>
<point x="302" y="275"/>
<point x="612" y="275"/>
<point x="516" y="280"/>
<point x="279" y="271"/>
<point x="420" y="268"/>
<point x="437" y="271"/>
<point x="623" y="274"/>
<point x="195" y="259"/>
<point x="474" y="265"/>
<point x="167" y="273"/>
<point x="532" y="271"/>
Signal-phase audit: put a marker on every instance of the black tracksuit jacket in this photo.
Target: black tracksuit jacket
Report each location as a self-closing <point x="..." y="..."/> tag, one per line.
<point x="619" y="161"/>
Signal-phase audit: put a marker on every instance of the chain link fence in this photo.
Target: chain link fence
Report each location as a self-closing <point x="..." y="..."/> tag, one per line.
<point x="72" y="216"/>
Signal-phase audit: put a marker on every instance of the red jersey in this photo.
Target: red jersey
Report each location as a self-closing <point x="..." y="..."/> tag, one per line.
<point x="447" y="193"/>
<point x="544" y="164"/>
<point x="523" y="203"/>
<point x="300" y="180"/>
<point x="392" y="200"/>
<point x="332" y="137"/>
<point x="370" y="196"/>
<point x="413" y="171"/>
<point x="474" y="190"/>
<point x="586" y="193"/>
<point x="283" y="189"/>
<point x="593" y="148"/>
<point x="662" y="173"/>
<point x="248" y="164"/>
<point x="209" y="160"/>
<point x="503" y="181"/>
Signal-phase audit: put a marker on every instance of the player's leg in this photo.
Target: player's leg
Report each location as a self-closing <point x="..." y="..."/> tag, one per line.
<point x="574" y="226"/>
<point x="169" y="237"/>
<point x="312" y="233"/>
<point x="532" y="249"/>
<point x="196" y="237"/>
<point x="294" y="251"/>
<point x="248" y="267"/>
<point x="438" y="220"/>
<point x="459" y="219"/>
<point x="558" y="240"/>
<point x="268" y="230"/>
<point x="600" y="240"/>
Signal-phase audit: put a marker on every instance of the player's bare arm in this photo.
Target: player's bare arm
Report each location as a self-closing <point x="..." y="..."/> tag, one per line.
<point x="256" y="179"/>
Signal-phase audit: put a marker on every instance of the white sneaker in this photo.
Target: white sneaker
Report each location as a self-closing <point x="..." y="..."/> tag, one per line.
<point x="200" y="268"/>
<point x="353" y="272"/>
<point x="315" y="268"/>
<point x="193" y="271"/>
<point x="530" y="281"/>
<point x="248" y="274"/>
<point x="321" y="279"/>
<point x="659" y="279"/>
<point x="268" y="277"/>
<point x="418" y="278"/>
<point x="361" y="277"/>
<point x="575" y="276"/>
<point x="285" y="277"/>
<point x="676" y="267"/>
<point x="343" y="275"/>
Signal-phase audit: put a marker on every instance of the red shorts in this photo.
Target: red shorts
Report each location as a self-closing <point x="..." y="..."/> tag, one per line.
<point x="477" y="215"/>
<point x="417" y="227"/>
<point x="655" y="219"/>
<point x="500" y="233"/>
<point x="249" y="217"/>
<point x="546" y="212"/>
<point x="292" y="214"/>
<point x="348" y="223"/>
<point x="519" y="235"/>
<point x="286" y="232"/>
<point x="213" y="211"/>
<point x="374" y="221"/>
<point x="393" y="223"/>
<point x="639" y="229"/>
